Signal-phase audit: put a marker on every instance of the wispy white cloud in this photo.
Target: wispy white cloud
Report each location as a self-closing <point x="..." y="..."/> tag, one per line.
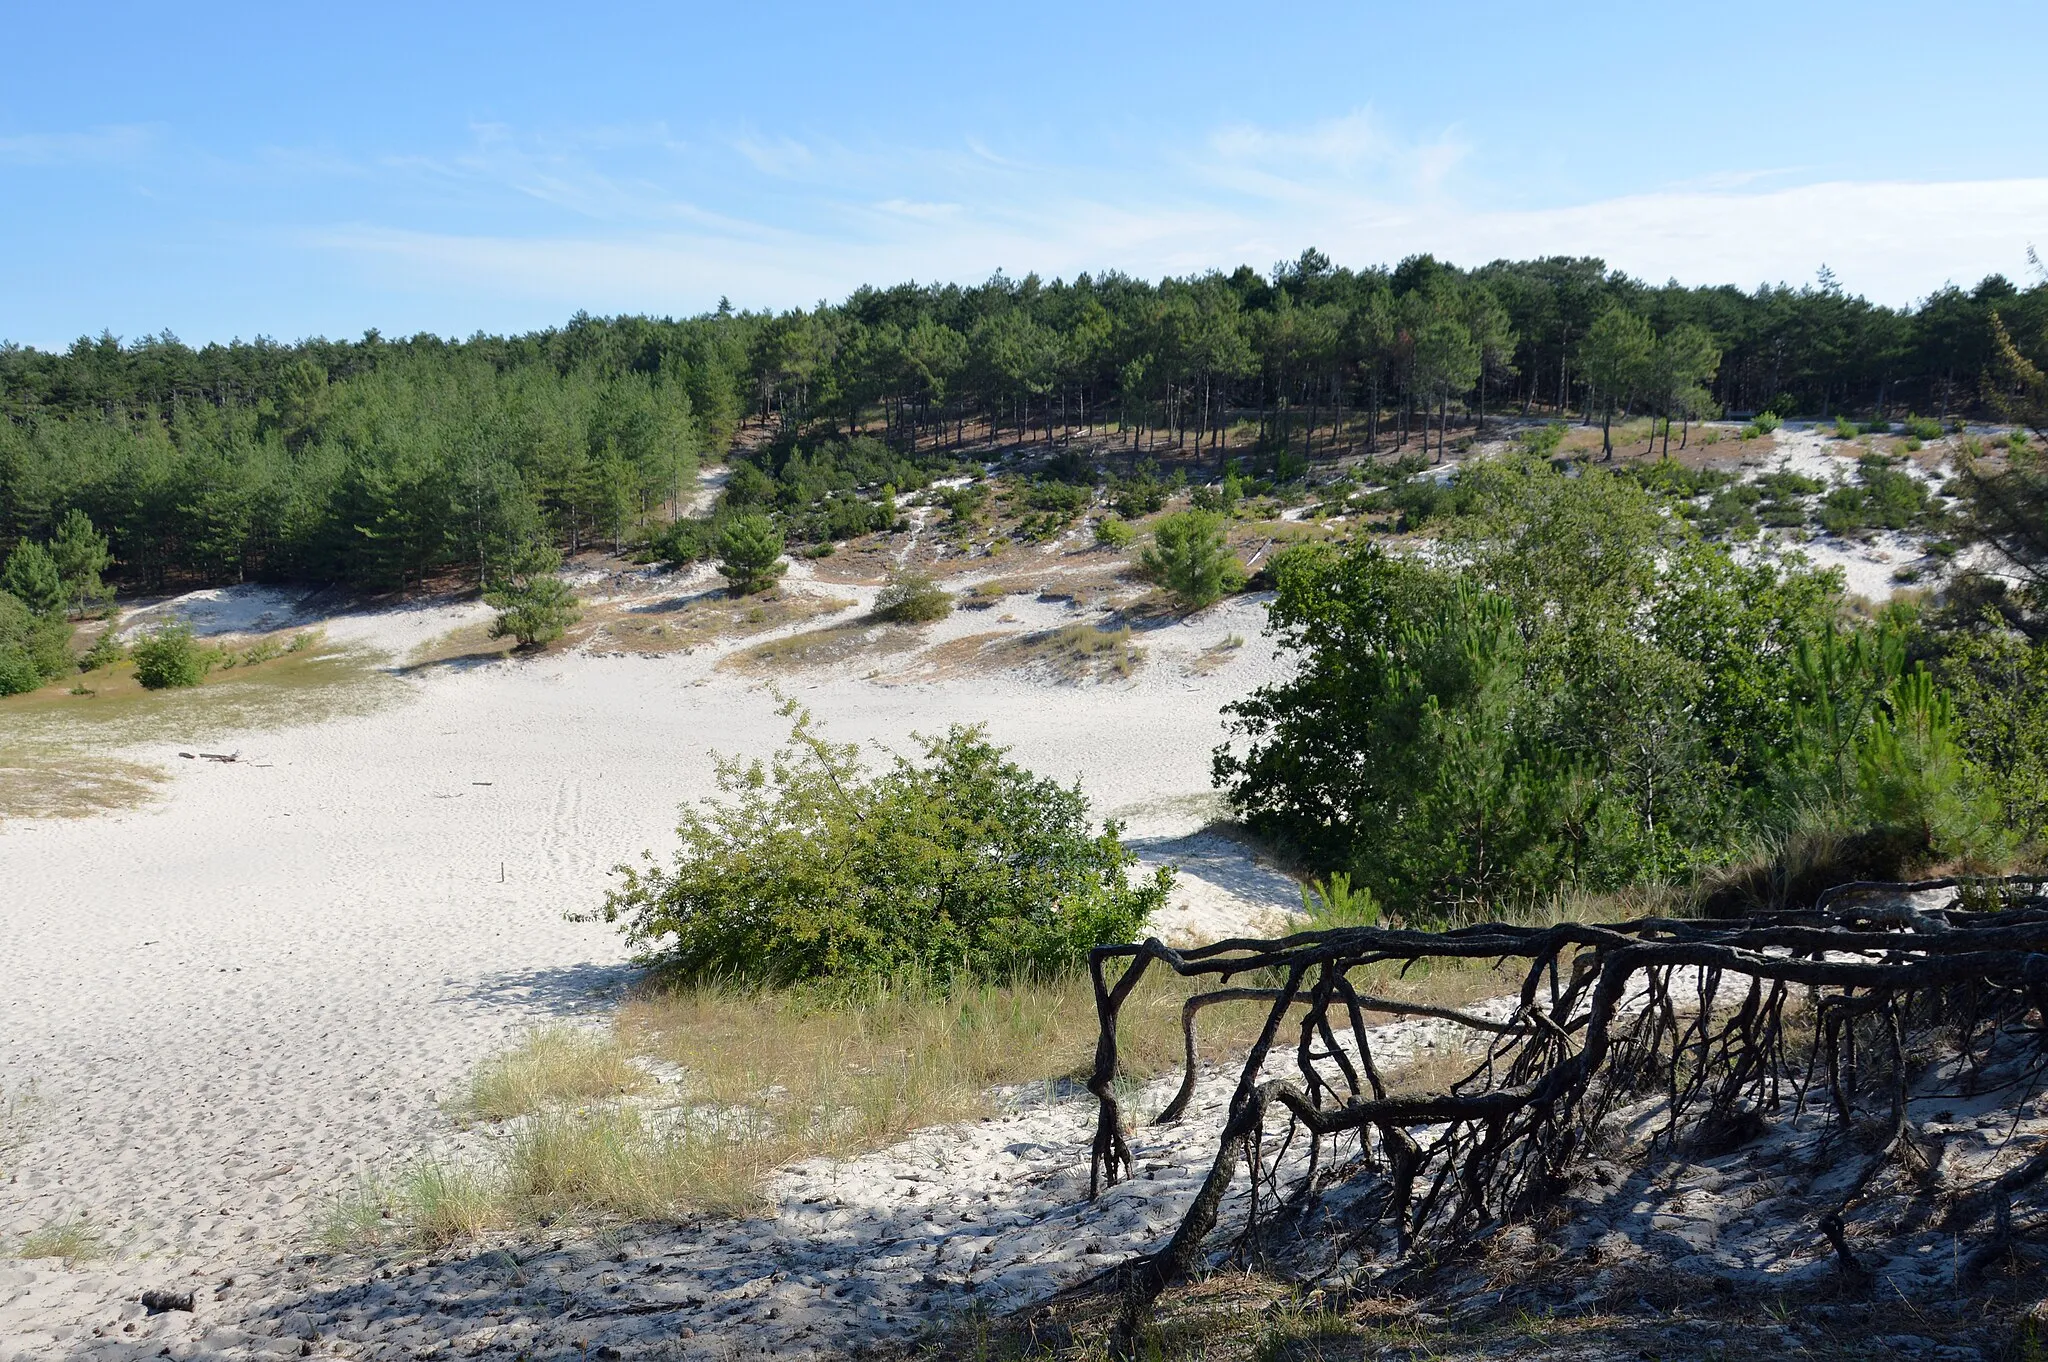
<point x="99" y="146"/>
<point x="671" y="226"/>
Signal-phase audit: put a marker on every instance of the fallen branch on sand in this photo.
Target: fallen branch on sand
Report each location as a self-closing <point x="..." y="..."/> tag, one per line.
<point x="1726" y="1019"/>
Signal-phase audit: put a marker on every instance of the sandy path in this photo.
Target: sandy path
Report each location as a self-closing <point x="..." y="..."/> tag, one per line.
<point x="231" y="1003"/>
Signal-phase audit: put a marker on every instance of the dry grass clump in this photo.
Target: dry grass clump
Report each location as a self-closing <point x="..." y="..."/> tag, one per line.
<point x="1217" y="655"/>
<point x="842" y="1076"/>
<point x="74" y="1240"/>
<point x="619" y="1163"/>
<point x="831" y="646"/>
<point x="554" y="1064"/>
<point x="430" y="1205"/>
<point x="681" y="623"/>
<point x="1074" y="652"/>
<point x="468" y="644"/>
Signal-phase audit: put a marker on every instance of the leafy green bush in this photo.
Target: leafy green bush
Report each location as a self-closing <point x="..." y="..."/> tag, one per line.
<point x="1885" y="498"/>
<point x="1114" y="532"/>
<point x="1922" y="427"/>
<point x="681" y="541"/>
<point x="1223" y="497"/>
<point x="1141" y="494"/>
<point x="1064" y="500"/>
<point x="1190" y="557"/>
<point x="809" y="867"/>
<point x="1785" y="483"/>
<point x="912" y="597"/>
<point x="1767" y="421"/>
<point x="750" y="554"/>
<point x="2000" y="684"/>
<point x="33" y="648"/>
<point x="168" y="657"/>
<point x="106" y="650"/>
<point x="1542" y="441"/>
<point x="1579" y="697"/>
<point x="1845" y="429"/>
<point x="262" y="650"/>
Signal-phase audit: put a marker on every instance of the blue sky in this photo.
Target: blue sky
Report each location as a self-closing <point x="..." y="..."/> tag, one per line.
<point x="228" y="170"/>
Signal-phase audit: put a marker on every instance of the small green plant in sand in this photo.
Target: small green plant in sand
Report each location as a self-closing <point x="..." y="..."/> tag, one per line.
<point x="17" y="1114"/>
<point x="1114" y="532"/>
<point x="74" y="1240"/>
<point x="912" y="597"/>
<point x="106" y="650"/>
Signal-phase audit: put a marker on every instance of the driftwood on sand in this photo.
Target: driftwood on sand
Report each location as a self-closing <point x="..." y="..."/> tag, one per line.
<point x="1832" y="1010"/>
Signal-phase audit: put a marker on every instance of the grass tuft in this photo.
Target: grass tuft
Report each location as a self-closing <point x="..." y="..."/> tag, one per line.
<point x="555" y="1064"/>
<point x="74" y="1240"/>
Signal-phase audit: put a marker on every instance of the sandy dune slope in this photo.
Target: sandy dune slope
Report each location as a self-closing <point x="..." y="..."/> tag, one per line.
<point x="232" y="1002"/>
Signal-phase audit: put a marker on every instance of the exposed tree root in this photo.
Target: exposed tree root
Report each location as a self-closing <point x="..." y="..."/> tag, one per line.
<point x="1727" y="1020"/>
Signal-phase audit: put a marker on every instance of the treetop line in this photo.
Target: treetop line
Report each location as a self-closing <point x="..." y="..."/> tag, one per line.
<point x="374" y="461"/>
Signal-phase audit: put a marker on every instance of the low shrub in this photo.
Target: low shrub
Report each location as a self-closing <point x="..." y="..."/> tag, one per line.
<point x="1922" y="428"/>
<point x="912" y="597"/>
<point x="168" y="658"/>
<point x="810" y="867"/>
<point x="106" y="650"/>
<point x="34" y="648"/>
<point x="1114" y="532"/>
<point x="1191" y="559"/>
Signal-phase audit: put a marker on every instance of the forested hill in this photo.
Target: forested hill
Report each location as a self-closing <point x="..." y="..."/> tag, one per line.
<point x="378" y="461"/>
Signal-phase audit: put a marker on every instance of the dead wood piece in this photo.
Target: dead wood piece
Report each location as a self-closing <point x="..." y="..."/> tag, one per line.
<point x="1692" y="1011"/>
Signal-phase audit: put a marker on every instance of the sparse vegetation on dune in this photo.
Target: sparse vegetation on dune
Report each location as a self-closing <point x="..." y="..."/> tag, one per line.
<point x="73" y="1239"/>
<point x="596" y="1139"/>
<point x="55" y="746"/>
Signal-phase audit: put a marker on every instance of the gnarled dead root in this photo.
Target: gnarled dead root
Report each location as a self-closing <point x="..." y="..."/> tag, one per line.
<point x="1729" y="1020"/>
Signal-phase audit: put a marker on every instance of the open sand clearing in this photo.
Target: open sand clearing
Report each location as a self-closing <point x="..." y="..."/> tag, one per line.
<point x="226" y="1006"/>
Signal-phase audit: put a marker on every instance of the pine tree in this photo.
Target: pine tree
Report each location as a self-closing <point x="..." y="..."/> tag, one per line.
<point x="31" y="577"/>
<point x="534" y="606"/>
<point x="80" y="554"/>
<point x="1191" y="558"/>
<point x="750" y="554"/>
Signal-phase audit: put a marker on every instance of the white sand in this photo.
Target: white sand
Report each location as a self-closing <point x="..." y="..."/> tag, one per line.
<point x="233" y="1002"/>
